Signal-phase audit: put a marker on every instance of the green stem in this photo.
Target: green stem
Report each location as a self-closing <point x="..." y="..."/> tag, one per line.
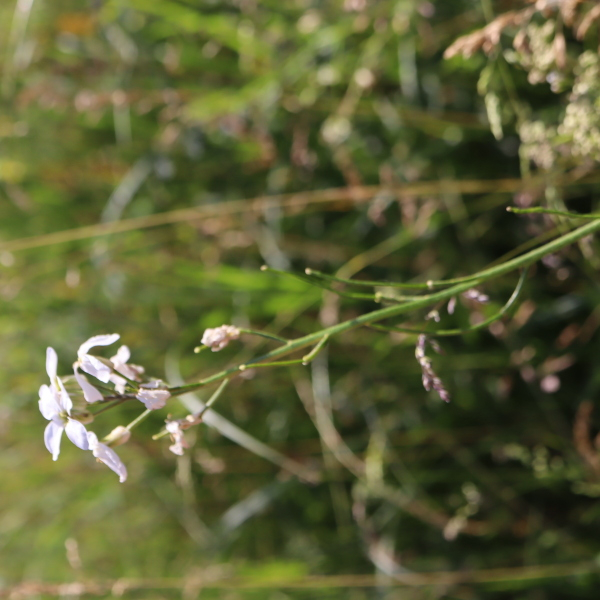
<point x="109" y="406"/>
<point x="311" y="281"/>
<point x="269" y="336"/>
<point x="279" y="363"/>
<point x="450" y="332"/>
<point x="214" y="397"/>
<point x="409" y="286"/>
<point x="418" y="303"/>
<point x="199" y="414"/>
<point x="138" y="420"/>
<point x="306" y="359"/>
<point x="548" y="211"/>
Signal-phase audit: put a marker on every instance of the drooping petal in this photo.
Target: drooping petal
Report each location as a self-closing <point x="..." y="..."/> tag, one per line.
<point x="97" y="340"/>
<point x="77" y="433"/>
<point x="49" y="407"/>
<point x="51" y="364"/>
<point x="90" y="393"/>
<point x="52" y="435"/>
<point x="108" y="456"/>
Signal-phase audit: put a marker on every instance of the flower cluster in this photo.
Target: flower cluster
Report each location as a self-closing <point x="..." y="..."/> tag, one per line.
<point x="176" y="429"/>
<point x="56" y="404"/>
<point x="216" y="339"/>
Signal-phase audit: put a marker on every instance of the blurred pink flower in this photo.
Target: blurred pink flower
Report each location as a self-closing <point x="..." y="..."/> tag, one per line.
<point x="219" y="337"/>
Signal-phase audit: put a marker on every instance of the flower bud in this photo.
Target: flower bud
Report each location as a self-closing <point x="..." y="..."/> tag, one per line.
<point x="119" y="435"/>
<point x="83" y="416"/>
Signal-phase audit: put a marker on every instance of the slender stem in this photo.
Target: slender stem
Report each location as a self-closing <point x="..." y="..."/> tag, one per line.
<point x="279" y="363"/>
<point x="269" y="336"/>
<point x="409" y="286"/>
<point x="109" y="406"/>
<point x="311" y="355"/>
<point x="450" y="332"/>
<point x="138" y="420"/>
<point x="312" y="281"/>
<point x="199" y="414"/>
<point x="379" y="297"/>
<point x="214" y="397"/>
<point x="418" y="303"/>
<point x="548" y="211"/>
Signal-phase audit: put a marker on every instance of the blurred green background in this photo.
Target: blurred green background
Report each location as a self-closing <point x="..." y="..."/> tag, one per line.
<point x="135" y="139"/>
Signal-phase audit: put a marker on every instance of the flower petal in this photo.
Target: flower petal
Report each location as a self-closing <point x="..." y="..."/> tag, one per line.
<point x="97" y="340"/>
<point x="77" y="433"/>
<point x="153" y="399"/>
<point x="51" y="364"/>
<point x="95" y="367"/>
<point x="90" y="393"/>
<point x="52" y="435"/>
<point x="49" y="407"/>
<point x="122" y="356"/>
<point x="120" y="383"/>
<point x="64" y="399"/>
<point x="108" y="456"/>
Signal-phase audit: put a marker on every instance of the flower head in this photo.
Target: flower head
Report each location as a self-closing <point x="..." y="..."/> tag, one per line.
<point x="154" y="394"/>
<point x="92" y="364"/>
<point x="219" y="337"/>
<point x="56" y="405"/>
<point x="107" y="455"/>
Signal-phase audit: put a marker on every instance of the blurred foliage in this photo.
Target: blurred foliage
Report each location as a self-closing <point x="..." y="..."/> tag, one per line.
<point x="122" y="113"/>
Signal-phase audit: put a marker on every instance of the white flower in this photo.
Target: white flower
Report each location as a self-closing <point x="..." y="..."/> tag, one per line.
<point x="55" y="405"/>
<point x="92" y="364"/>
<point x="119" y="361"/>
<point x="219" y="337"/>
<point x="154" y="395"/>
<point x="107" y="455"/>
<point x="177" y="437"/>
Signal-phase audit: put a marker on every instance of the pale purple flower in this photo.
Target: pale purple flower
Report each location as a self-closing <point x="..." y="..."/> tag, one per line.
<point x="56" y="405"/>
<point x="476" y="296"/>
<point x="154" y="394"/>
<point x="119" y="361"/>
<point x="219" y="337"/>
<point x="107" y="455"/>
<point x="92" y="364"/>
